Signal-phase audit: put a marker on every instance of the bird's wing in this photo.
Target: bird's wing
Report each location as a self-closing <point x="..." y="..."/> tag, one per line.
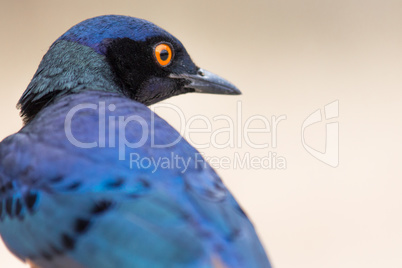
<point x="65" y="206"/>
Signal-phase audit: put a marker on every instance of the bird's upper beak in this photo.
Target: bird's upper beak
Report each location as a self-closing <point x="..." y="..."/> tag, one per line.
<point x="207" y="82"/>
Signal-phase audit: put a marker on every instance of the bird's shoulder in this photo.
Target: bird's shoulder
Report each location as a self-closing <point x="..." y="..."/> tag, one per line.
<point x="103" y="130"/>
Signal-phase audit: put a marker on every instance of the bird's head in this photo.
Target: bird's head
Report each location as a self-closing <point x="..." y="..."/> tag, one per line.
<point x="118" y="53"/>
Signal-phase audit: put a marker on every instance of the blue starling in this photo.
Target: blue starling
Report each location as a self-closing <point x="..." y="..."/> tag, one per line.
<point x="73" y="195"/>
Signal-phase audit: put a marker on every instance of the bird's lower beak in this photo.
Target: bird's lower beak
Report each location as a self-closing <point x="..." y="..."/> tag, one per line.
<point x="207" y="82"/>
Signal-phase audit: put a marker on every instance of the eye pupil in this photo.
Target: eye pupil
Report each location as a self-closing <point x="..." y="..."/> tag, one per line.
<point x="164" y="54"/>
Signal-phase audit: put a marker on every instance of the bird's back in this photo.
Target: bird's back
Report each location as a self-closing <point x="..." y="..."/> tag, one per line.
<point x="73" y="194"/>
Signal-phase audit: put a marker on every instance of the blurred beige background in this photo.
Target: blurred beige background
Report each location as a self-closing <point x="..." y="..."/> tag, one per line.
<point x="289" y="58"/>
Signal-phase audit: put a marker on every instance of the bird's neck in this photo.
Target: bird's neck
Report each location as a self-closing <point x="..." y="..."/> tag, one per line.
<point x="66" y="68"/>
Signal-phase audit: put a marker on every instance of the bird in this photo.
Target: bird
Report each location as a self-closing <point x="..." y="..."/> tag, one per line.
<point x="73" y="195"/>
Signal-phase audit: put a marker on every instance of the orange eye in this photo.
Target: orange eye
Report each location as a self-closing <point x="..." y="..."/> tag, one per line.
<point x="163" y="54"/>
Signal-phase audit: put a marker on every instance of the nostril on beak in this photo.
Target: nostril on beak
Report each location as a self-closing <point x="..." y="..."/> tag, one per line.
<point x="200" y="72"/>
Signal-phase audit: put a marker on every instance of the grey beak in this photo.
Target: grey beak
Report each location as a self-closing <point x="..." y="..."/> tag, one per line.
<point x="207" y="82"/>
